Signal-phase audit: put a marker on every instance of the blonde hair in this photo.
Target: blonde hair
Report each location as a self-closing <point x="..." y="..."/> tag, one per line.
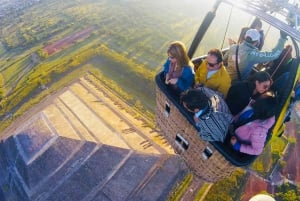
<point x="178" y="50"/>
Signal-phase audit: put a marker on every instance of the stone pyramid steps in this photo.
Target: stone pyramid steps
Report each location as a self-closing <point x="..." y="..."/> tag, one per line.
<point x="82" y="145"/>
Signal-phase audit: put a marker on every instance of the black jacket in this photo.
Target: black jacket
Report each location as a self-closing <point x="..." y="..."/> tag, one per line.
<point x="239" y="96"/>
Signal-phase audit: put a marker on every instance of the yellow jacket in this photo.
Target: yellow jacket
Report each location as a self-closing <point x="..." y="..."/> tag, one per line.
<point x="219" y="81"/>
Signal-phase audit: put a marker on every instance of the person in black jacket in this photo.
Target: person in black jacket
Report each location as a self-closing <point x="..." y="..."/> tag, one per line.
<point x="245" y="92"/>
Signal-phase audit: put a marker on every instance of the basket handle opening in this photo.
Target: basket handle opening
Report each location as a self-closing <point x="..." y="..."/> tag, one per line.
<point x="182" y="143"/>
<point x="207" y="153"/>
<point x="167" y="109"/>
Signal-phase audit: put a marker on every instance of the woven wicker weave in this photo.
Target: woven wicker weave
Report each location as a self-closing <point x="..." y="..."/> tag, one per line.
<point x="200" y="156"/>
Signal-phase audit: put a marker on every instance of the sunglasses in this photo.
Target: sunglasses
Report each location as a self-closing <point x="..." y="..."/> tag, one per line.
<point x="212" y="65"/>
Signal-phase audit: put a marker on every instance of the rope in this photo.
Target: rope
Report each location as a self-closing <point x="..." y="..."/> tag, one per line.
<point x="227" y="27"/>
<point x="283" y="58"/>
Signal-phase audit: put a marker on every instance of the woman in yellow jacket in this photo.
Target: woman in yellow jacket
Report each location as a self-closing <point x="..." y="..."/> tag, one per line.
<point x="212" y="73"/>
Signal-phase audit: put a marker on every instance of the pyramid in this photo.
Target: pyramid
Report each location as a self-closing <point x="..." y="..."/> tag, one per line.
<point x="83" y="143"/>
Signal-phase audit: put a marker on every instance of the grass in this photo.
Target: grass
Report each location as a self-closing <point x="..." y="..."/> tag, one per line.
<point x="26" y="97"/>
<point x="135" y="52"/>
<point x="202" y="191"/>
<point x="38" y="95"/>
<point x="127" y="79"/>
<point x="180" y="189"/>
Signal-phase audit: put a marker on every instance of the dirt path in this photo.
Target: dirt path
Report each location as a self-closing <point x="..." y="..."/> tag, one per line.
<point x="193" y="189"/>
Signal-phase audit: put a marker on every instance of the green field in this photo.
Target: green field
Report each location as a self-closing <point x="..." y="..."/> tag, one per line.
<point x="135" y="34"/>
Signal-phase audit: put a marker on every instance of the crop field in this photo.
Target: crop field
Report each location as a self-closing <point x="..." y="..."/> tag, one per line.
<point x="67" y="41"/>
<point x="135" y="33"/>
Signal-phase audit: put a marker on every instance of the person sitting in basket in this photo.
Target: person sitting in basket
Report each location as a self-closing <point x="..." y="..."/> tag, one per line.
<point x="212" y="73"/>
<point x="178" y="68"/>
<point x="211" y="114"/>
<point x="251" y="132"/>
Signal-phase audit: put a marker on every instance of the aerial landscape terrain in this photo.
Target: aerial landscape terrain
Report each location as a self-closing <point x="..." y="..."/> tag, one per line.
<point x="77" y="97"/>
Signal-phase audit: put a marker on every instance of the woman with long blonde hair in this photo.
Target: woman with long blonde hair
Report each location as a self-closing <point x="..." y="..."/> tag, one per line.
<point x="178" y="68"/>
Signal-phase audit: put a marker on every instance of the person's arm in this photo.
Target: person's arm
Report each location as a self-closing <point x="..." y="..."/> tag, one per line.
<point x="186" y="79"/>
<point x="231" y="41"/>
<point x="257" y="140"/>
<point x="166" y="67"/>
<point x="235" y="144"/>
<point x="261" y="57"/>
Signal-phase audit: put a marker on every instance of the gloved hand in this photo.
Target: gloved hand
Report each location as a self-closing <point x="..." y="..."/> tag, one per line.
<point x="283" y="34"/>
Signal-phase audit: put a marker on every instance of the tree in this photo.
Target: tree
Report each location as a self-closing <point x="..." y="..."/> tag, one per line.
<point x="287" y="192"/>
<point x="286" y="196"/>
<point x="227" y="189"/>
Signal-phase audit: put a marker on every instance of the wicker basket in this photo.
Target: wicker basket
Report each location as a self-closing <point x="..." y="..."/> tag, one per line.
<point x="201" y="156"/>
